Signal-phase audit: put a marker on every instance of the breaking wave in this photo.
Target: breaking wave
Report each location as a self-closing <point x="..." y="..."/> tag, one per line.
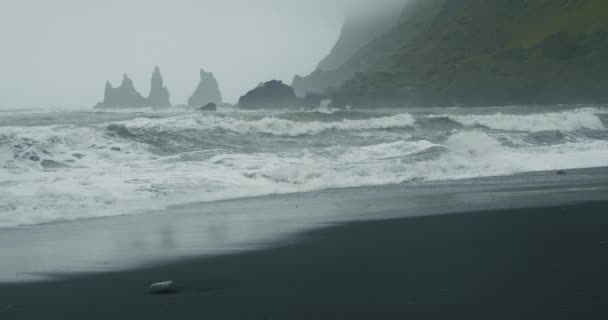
<point x="270" y="125"/>
<point x="144" y="163"/>
<point x="587" y="118"/>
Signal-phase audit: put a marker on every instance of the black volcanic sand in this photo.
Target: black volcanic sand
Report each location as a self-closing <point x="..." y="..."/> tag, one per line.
<point x="538" y="263"/>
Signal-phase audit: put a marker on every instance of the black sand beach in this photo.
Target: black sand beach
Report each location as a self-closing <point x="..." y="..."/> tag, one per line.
<point x="536" y="263"/>
<point x="430" y="159"/>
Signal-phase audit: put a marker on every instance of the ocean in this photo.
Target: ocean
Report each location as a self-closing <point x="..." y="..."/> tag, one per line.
<point x="69" y="164"/>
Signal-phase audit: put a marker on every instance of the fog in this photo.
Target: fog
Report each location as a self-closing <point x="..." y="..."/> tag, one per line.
<point x="60" y="53"/>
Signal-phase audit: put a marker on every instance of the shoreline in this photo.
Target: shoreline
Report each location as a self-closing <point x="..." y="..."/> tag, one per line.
<point x="56" y="251"/>
<point x="543" y="262"/>
<point x="404" y="185"/>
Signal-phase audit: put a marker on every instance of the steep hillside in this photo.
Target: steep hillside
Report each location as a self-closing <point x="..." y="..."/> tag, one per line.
<point x="494" y="52"/>
<point x="414" y="19"/>
<point x="358" y="31"/>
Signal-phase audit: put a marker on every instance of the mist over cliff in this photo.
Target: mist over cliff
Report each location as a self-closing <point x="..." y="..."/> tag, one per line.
<point x="363" y="24"/>
<point x="369" y="36"/>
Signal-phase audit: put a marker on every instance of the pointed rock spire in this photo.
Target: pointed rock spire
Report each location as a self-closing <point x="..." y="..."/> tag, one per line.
<point x="126" y="96"/>
<point x="126" y="81"/>
<point x="207" y="91"/>
<point x="159" y="94"/>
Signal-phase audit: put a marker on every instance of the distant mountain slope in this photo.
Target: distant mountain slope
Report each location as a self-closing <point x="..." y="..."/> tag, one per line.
<point x="357" y="32"/>
<point x="488" y="52"/>
<point x="399" y="28"/>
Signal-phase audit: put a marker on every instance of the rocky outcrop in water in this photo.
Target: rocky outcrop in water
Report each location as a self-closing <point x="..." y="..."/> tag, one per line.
<point x="270" y="95"/>
<point x="207" y="91"/>
<point x="126" y="96"/>
<point x="209" y="107"/>
<point x="159" y="94"/>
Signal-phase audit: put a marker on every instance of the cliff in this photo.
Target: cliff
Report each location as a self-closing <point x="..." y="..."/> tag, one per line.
<point x="499" y="52"/>
<point x="357" y="31"/>
<point x="396" y="29"/>
<point x="206" y="92"/>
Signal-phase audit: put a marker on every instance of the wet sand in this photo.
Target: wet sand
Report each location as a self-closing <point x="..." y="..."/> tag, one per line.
<point x="535" y="263"/>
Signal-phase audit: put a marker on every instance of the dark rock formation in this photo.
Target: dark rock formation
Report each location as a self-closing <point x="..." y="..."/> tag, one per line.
<point x="312" y="100"/>
<point x="207" y="91"/>
<point x="208" y="107"/>
<point x="499" y="52"/>
<point x="270" y="95"/>
<point x="319" y="82"/>
<point x="124" y="96"/>
<point x="159" y="94"/>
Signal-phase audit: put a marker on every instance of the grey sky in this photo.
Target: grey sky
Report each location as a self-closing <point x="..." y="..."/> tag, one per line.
<point x="61" y="52"/>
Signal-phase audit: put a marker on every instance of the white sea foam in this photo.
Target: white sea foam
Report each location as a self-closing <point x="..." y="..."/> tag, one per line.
<point x="107" y="174"/>
<point x="270" y="125"/>
<point x="324" y="107"/>
<point x="106" y="182"/>
<point x="571" y="120"/>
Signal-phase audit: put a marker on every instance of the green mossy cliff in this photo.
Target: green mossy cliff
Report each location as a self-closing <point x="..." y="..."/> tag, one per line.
<point x="382" y="39"/>
<point x="493" y="52"/>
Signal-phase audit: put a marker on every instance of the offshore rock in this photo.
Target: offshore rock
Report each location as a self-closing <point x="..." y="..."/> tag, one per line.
<point x="207" y="91"/>
<point x="208" y="107"/>
<point x="159" y="94"/>
<point x="272" y="94"/>
<point x="125" y="96"/>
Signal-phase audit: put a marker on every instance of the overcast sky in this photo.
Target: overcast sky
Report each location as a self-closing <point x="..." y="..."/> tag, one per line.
<point x="61" y="52"/>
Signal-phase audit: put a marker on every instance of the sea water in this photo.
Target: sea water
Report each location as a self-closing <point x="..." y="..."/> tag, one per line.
<point x="60" y="165"/>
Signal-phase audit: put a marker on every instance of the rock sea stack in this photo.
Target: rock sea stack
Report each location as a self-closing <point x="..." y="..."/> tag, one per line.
<point x="126" y="96"/>
<point x="207" y="91"/>
<point x="273" y="94"/>
<point x="159" y="94"/>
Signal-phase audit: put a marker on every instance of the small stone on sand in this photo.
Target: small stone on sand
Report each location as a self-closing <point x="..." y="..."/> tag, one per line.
<point x="166" y="287"/>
